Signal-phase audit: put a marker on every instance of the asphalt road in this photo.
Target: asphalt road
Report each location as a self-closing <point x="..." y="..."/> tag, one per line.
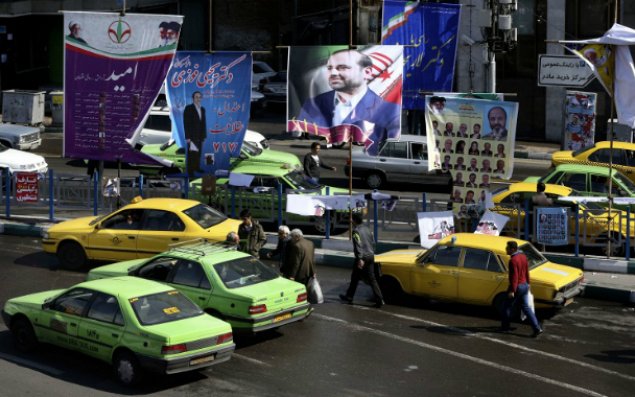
<point x="420" y="348"/>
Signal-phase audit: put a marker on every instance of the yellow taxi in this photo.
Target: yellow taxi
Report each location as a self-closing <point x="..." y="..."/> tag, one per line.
<point x="143" y="228"/>
<point x="472" y="268"/>
<point x="599" y="154"/>
<point x="594" y="228"/>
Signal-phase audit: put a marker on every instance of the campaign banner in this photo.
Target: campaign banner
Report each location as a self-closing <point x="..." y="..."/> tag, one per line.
<point x="433" y="226"/>
<point x="344" y="94"/>
<point x="429" y="34"/>
<point x="491" y="223"/>
<point x="26" y="187"/>
<point x="114" y="66"/>
<point x="473" y="140"/>
<point x="314" y="205"/>
<point x="579" y="113"/>
<point x="209" y="96"/>
<point x="552" y="227"/>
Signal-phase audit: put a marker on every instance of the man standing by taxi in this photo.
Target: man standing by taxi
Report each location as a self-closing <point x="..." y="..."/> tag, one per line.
<point x="518" y="289"/>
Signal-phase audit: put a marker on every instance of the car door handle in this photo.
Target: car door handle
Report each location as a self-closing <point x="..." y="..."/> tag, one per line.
<point x="417" y="162"/>
<point x="115" y="335"/>
<point x="131" y="237"/>
<point x="201" y="298"/>
<point x="175" y="239"/>
<point x="73" y="325"/>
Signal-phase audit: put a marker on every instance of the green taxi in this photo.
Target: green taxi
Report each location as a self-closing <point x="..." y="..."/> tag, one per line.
<point x="249" y="153"/>
<point x="589" y="180"/>
<point x="231" y="285"/>
<point x="136" y="325"/>
<point x="262" y="195"/>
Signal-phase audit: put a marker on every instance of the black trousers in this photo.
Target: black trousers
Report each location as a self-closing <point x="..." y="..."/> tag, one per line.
<point x="368" y="274"/>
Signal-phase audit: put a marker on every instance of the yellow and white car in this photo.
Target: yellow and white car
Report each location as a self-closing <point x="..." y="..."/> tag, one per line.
<point x="599" y="154"/>
<point x="138" y="230"/>
<point x="472" y="268"/>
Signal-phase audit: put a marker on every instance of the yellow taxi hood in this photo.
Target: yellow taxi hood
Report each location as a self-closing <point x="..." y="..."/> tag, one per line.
<point x="554" y="274"/>
<point x="401" y="256"/>
<point x="561" y="156"/>
<point x="73" y="224"/>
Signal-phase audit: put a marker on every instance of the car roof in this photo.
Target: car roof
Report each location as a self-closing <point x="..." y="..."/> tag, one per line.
<point x="596" y="169"/>
<point x="527" y="187"/>
<point x="173" y="204"/>
<point x="616" y="145"/>
<point x="496" y="244"/>
<point x="210" y="253"/>
<point x="409" y="138"/>
<point x="126" y="287"/>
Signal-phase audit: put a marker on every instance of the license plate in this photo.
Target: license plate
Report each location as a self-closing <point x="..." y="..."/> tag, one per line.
<point x="202" y="360"/>
<point x="281" y="317"/>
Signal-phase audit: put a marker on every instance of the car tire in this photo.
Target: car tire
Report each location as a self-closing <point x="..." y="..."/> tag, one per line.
<point x="391" y="290"/>
<point x="319" y="224"/>
<point x="71" y="255"/>
<point x="617" y="249"/>
<point x="375" y="179"/>
<point x="24" y="336"/>
<point x="127" y="369"/>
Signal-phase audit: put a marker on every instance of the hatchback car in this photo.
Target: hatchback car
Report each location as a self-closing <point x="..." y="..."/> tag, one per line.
<point x="138" y="230"/>
<point x="595" y="230"/>
<point x="228" y="284"/>
<point x="403" y="160"/>
<point x="134" y="324"/>
<point x="590" y="180"/>
<point x="599" y="154"/>
<point x="473" y="268"/>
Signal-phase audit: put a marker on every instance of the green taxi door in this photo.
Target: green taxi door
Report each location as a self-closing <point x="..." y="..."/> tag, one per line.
<point x="61" y="318"/>
<point x="190" y="278"/>
<point x="102" y="328"/>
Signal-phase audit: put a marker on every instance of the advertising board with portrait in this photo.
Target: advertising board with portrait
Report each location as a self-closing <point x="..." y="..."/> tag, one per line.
<point x="473" y="140"/>
<point x="343" y="94"/>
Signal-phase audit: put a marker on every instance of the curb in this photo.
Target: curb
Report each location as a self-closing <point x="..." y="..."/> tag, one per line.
<point x="609" y="294"/>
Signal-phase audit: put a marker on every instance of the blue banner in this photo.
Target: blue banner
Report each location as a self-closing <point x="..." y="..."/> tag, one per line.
<point x="429" y="34"/>
<point x="209" y="98"/>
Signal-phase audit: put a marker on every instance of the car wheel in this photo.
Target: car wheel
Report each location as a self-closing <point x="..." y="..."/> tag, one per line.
<point x="320" y="223"/>
<point x="71" y="255"/>
<point x="25" y="339"/>
<point x="127" y="369"/>
<point x="391" y="290"/>
<point x="374" y="180"/>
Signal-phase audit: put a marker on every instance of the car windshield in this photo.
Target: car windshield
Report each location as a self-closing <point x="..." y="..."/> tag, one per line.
<point x="534" y="257"/>
<point x="300" y="181"/>
<point x="243" y="272"/>
<point x="163" y="307"/>
<point x="205" y="215"/>
<point x="251" y="149"/>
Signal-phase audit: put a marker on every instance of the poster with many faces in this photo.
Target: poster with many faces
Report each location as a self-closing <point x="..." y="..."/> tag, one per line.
<point x="473" y="140"/>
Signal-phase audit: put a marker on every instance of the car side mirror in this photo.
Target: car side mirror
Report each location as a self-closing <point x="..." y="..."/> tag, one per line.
<point x="46" y="305"/>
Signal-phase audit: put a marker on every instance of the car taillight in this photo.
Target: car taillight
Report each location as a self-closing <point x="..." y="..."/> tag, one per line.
<point x="301" y="297"/>
<point x="220" y="339"/>
<point x="348" y="162"/>
<point x="174" y="349"/>
<point x="257" y="309"/>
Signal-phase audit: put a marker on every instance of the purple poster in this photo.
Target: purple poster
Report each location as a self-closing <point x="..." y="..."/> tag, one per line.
<point x="114" y="68"/>
<point x="209" y="98"/>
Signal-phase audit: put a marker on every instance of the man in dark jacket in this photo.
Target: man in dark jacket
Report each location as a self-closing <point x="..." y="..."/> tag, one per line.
<point x="313" y="163"/>
<point x="252" y="235"/>
<point x="284" y="239"/>
<point x="299" y="260"/>
<point x="195" y="129"/>
<point x="364" y="267"/>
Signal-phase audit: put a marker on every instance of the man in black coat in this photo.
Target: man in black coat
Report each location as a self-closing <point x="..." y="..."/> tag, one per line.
<point x="299" y="261"/>
<point x="194" y="125"/>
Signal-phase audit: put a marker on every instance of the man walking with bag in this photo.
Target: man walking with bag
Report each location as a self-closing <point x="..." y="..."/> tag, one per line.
<point x="299" y="259"/>
<point x="364" y="267"/>
<point x="518" y="289"/>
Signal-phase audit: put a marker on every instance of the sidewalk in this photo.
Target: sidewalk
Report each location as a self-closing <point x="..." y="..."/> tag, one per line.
<point x="606" y="279"/>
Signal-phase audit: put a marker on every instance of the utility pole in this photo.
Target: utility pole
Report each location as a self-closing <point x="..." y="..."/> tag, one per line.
<point x="500" y="35"/>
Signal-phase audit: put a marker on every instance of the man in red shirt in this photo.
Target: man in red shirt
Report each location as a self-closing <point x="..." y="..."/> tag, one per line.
<point x="518" y="289"/>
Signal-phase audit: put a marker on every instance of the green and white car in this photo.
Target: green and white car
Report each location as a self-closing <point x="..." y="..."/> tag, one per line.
<point x="174" y="156"/>
<point x="136" y="325"/>
<point x="228" y="284"/>
<point x="262" y="196"/>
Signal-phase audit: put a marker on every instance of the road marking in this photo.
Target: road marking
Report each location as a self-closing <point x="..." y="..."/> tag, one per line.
<point x="31" y="364"/>
<point x="251" y="360"/>
<point x="510" y="344"/>
<point x="462" y="356"/>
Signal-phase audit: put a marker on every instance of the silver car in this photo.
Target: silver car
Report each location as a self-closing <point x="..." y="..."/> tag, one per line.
<point x="403" y="160"/>
<point x="21" y="137"/>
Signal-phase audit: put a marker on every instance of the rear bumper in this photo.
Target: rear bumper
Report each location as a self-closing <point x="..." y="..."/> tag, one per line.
<point x="241" y="325"/>
<point x="189" y="363"/>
